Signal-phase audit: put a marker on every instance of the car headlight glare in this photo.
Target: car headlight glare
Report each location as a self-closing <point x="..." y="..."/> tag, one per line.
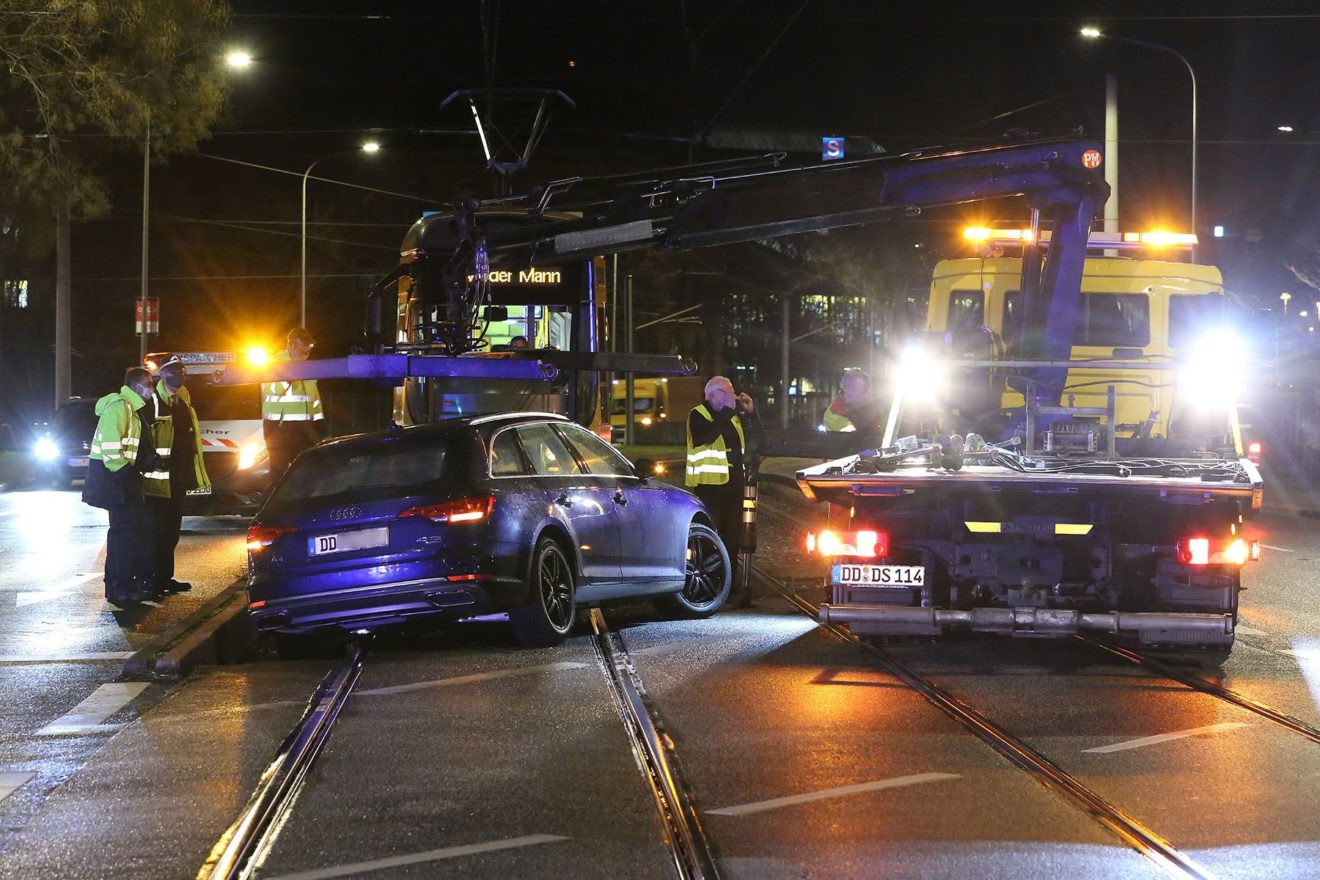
<point x="46" y="450"/>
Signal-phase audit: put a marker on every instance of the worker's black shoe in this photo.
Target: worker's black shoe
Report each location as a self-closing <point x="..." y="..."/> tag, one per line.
<point x="129" y="598"/>
<point x="173" y="586"/>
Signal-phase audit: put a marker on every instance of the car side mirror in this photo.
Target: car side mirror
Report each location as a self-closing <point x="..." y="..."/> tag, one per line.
<point x="646" y="468"/>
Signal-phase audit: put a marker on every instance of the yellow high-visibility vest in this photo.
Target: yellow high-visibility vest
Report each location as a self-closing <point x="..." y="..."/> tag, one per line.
<point x="118" y="431"/>
<point x="291" y="401"/>
<point x="708" y="465"/>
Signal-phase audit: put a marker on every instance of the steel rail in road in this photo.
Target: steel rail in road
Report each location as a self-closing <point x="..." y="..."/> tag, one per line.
<point x="1206" y="687"/>
<point x="242" y="848"/>
<point x="684" y="833"/>
<point x="1145" y="841"/>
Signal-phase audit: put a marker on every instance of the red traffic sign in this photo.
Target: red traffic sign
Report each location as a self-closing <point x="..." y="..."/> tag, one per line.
<point x="153" y="315"/>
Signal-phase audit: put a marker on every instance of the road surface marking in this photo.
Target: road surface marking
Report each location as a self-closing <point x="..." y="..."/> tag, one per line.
<point x="469" y="679"/>
<point x="1308" y="654"/>
<point x="1164" y="737"/>
<point x="89" y="715"/>
<point x="1249" y="630"/>
<point x="843" y="791"/>
<point x="12" y="782"/>
<point x="95" y="656"/>
<point x="434" y="855"/>
<point x="1279" y="549"/>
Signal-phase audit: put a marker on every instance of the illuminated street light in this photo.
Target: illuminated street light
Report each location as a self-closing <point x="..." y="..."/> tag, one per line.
<point x="238" y="59"/>
<point x="1285" y="296"/>
<point x="1286" y="129"/>
<point x="368" y="147"/>
<point x="1091" y="32"/>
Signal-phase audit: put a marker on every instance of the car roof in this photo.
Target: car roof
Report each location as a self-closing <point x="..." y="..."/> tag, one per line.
<point x="484" y="422"/>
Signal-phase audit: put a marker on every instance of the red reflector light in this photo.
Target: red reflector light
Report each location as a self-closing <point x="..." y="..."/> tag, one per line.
<point x="864" y="543"/>
<point x="258" y="604"/>
<point x="1255" y="450"/>
<point x="260" y="537"/>
<point x="456" y="511"/>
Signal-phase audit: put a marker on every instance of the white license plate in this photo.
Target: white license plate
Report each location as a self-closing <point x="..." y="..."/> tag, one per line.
<point x="884" y="576"/>
<point x="320" y="545"/>
<point x="77" y="462"/>
<point x="202" y="491"/>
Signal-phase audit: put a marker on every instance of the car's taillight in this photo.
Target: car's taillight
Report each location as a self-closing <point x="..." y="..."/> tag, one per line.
<point x="605" y="432"/>
<point x="864" y="543"/>
<point x="1255" y="451"/>
<point x="261" y="537"/>
<point x="1203" y="551"/>
<point x="456" y="511"/>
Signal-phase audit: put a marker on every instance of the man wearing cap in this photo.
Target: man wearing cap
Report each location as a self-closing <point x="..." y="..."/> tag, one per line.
<point x="119" y="456"/>
<point x="291" y="415"/>
<point x="180" y="470"/>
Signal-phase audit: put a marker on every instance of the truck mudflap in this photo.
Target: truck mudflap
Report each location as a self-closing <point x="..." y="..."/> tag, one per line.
<point x="1150" y="627"/>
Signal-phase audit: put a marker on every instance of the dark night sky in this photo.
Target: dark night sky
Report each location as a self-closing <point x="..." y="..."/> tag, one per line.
<point x="905" y="75"/>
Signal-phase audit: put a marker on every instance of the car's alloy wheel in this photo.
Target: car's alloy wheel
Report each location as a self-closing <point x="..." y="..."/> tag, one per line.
<point x="550" y="614"/>
<point x="708" y="575"/>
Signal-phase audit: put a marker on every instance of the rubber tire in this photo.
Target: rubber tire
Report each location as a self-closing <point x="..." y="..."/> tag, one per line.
<point x="549" y="616"/>
<point x="687" y="603"/>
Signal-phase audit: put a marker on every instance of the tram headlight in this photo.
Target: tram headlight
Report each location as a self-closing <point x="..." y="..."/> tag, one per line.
<point x="1214" y="372"/>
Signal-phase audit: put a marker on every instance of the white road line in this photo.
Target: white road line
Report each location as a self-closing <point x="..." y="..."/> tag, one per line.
<point x="1307" y="654"/>
<point x="1249" y="630"/>
<point x="469" y="679"/>
<point x="92" y="657"/>
<point x="1279" y="549"/>
<point x="434" y="855"/>
<point x="1165" y="737"/>
<point x="843" y="791"/>
<point x="12" y="782"/>
<point x="89" y="715"/>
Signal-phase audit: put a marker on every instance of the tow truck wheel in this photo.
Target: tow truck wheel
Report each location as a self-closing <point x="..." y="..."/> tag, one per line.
<point x="549" y="615"/>
<point x="709" y="576"/>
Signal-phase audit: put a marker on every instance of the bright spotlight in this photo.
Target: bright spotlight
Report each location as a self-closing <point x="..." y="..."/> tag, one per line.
<point x="920" y="376"/>
<point x="371" y="147"/>
<point x="1214" y="372"/>
<point x="238" y="59"/>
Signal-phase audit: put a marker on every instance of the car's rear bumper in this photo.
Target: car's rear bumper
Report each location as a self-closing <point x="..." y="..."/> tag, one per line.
<point x="378" y="605"/>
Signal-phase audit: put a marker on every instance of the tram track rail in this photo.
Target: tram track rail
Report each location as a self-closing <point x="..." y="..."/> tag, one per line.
<point x="244" y="846"/>
<point x="239" y="852"/>
<point x="1133" y="833"/>
<point x="685" y="835"/>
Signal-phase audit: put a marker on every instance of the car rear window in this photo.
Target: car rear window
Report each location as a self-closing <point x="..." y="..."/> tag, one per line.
<point x="379" y="470"/>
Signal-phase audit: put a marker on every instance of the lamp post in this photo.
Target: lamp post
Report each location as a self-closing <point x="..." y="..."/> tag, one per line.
<point x="369" y="147"/>
<point x="1093" y="33"/>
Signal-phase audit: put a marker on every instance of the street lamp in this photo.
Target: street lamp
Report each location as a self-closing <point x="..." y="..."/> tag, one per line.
<point x="1094" y="33"/>
<point x="369" y="147"/>
<point x="238" y="59"/>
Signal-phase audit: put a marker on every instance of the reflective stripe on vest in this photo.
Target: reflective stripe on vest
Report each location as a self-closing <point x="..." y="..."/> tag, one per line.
<point x="708" y="464"/>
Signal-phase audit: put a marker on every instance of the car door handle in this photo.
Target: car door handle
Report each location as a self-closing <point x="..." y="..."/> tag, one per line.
<point x="563" y="500"/>
<point x="618" y="497"/>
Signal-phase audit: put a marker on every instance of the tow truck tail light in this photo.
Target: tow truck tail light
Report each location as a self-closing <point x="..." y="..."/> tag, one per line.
<point x="1255" y="451"/>
<point x="456" y="511"/>
<point x="864" y="543"/>
<point x="1203" y="551"/>
<point x="261" y="537"/>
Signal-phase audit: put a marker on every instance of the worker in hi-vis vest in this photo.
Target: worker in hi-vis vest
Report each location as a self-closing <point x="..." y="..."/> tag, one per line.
<point x="180" y="470"/>
<point x="291" y="415"/>
<point x="121" y="450"/>
<point x="855" y="409"/>
<point x="715" y="472"/>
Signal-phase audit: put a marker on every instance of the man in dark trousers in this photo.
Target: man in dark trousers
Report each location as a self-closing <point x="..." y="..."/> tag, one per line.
<point x="292" y="418"/>
<point x="178" y="441"/>
<point x="121" y="451"/>
<point x="715" y="471"/>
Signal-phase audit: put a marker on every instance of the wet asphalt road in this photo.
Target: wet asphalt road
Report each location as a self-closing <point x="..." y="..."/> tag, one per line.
<point x="461" y="755"/>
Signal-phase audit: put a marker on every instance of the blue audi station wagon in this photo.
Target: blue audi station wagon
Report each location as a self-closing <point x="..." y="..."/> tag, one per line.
<point x="524" y="513"/>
